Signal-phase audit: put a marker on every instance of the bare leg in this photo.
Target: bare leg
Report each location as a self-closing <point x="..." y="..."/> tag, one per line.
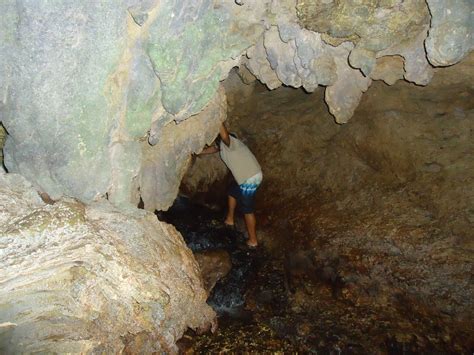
<point x="251" y="223"/>
<point x="232" y="203"/>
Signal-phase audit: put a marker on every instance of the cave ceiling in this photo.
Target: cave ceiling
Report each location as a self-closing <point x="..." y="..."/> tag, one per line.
<point x="85" y="87"/>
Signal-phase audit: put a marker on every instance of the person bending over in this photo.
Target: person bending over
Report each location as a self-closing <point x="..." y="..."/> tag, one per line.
<point x="247" y="175"/>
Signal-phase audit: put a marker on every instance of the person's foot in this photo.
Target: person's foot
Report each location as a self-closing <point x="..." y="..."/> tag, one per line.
<point x="229" y="223"/>
<point x="252" y="245"/>
<point x="230" y="227"/>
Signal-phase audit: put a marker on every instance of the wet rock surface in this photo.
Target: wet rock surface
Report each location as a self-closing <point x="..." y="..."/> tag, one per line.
<point x="315" y="301"/>
<point x="203" y="230"/>
<point x="214" y="265"/>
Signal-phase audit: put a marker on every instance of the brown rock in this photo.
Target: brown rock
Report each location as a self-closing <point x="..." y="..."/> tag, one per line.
<point x="214" y="265"/>
<point x="389" y="69"/>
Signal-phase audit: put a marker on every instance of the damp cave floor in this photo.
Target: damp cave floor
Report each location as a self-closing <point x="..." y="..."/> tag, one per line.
<point x="288" y="310"/>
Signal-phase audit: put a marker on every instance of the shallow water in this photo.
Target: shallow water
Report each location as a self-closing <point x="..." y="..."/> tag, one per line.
<point x="202" y="229"/>
<point x="272" y="304"/>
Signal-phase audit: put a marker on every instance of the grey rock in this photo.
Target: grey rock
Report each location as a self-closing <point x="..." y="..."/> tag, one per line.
<point x="363" y="59"/>
<point x="371" y="25"/>
<point x="417" y="68"/>
<point x="451" y="36"/>
<point x="164" y="165"/>
<point x="257" y="63"/>
<point x="83" y="86"/>
<point x="344" y="95"/>
<point x="56" y="110"/>
<point x="390" y="69"/>
<point x="187" y="41"/>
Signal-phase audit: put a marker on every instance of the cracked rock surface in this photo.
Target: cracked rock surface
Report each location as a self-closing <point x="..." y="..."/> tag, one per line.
<point x="86" y="279"/>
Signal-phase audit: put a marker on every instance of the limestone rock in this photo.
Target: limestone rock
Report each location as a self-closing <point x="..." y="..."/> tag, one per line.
<point x="372" y="25"/>
<point x="417" y="68"/>
<point x="389" y="69"/>
<point x="451" y="35"/>
<point x="164" y="165"/>
<point x="344" y="95"/>
<point x="297" y="57"/>
<point x="81" y="85"/>
<point x="88" y="279"/>
<point x="187" y="41"/>
<point x="214" y="265"/>
<point x="56" y="111"/>
<point x="281" y="56"/>
<point x="363" y="59"/>
<point x="258" y="64"/>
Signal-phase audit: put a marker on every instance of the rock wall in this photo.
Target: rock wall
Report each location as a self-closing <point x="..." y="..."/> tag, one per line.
<point x="83" y="86"/>
<point x="165" y="164"/>
<point x="384" y="202"/>
<point x="88" y="279"/>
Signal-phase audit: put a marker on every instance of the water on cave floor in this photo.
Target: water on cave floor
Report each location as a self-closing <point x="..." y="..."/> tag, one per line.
<point x="266" y="304"/>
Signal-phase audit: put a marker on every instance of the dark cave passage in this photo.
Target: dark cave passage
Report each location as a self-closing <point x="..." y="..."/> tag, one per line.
<point x="365" y="227"/>
<point x="269" y="302"/>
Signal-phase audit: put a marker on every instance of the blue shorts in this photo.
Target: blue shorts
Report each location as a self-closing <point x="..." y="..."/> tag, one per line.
<point x="245" y="193"/>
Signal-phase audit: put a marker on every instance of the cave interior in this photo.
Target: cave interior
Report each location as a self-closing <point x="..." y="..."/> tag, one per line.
<point x="112" y="234"/>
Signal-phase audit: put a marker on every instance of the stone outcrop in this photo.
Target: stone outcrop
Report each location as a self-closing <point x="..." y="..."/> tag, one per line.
<point x="214" y="265"/>
<point x="82" y="84"/>
<point x="84" y="88"/>
<point x="165" y="163"/>
<point x="88" y="279"/>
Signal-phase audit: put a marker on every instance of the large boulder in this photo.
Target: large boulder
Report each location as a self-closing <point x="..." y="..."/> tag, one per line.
<point x="82" y="84"/>
<point x="88" y="279"/>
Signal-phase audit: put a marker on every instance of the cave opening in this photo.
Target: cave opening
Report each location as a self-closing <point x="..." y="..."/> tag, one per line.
<point x="365" y="138"/>
<point x="351" y="217"/>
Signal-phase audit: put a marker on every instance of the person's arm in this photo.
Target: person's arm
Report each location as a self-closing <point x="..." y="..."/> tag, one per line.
<point x="224" y="133"/>
<point x="209" y="150"/>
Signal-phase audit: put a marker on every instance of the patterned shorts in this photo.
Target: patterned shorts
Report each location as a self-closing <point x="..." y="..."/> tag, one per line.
<point x="245" y="193"/>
